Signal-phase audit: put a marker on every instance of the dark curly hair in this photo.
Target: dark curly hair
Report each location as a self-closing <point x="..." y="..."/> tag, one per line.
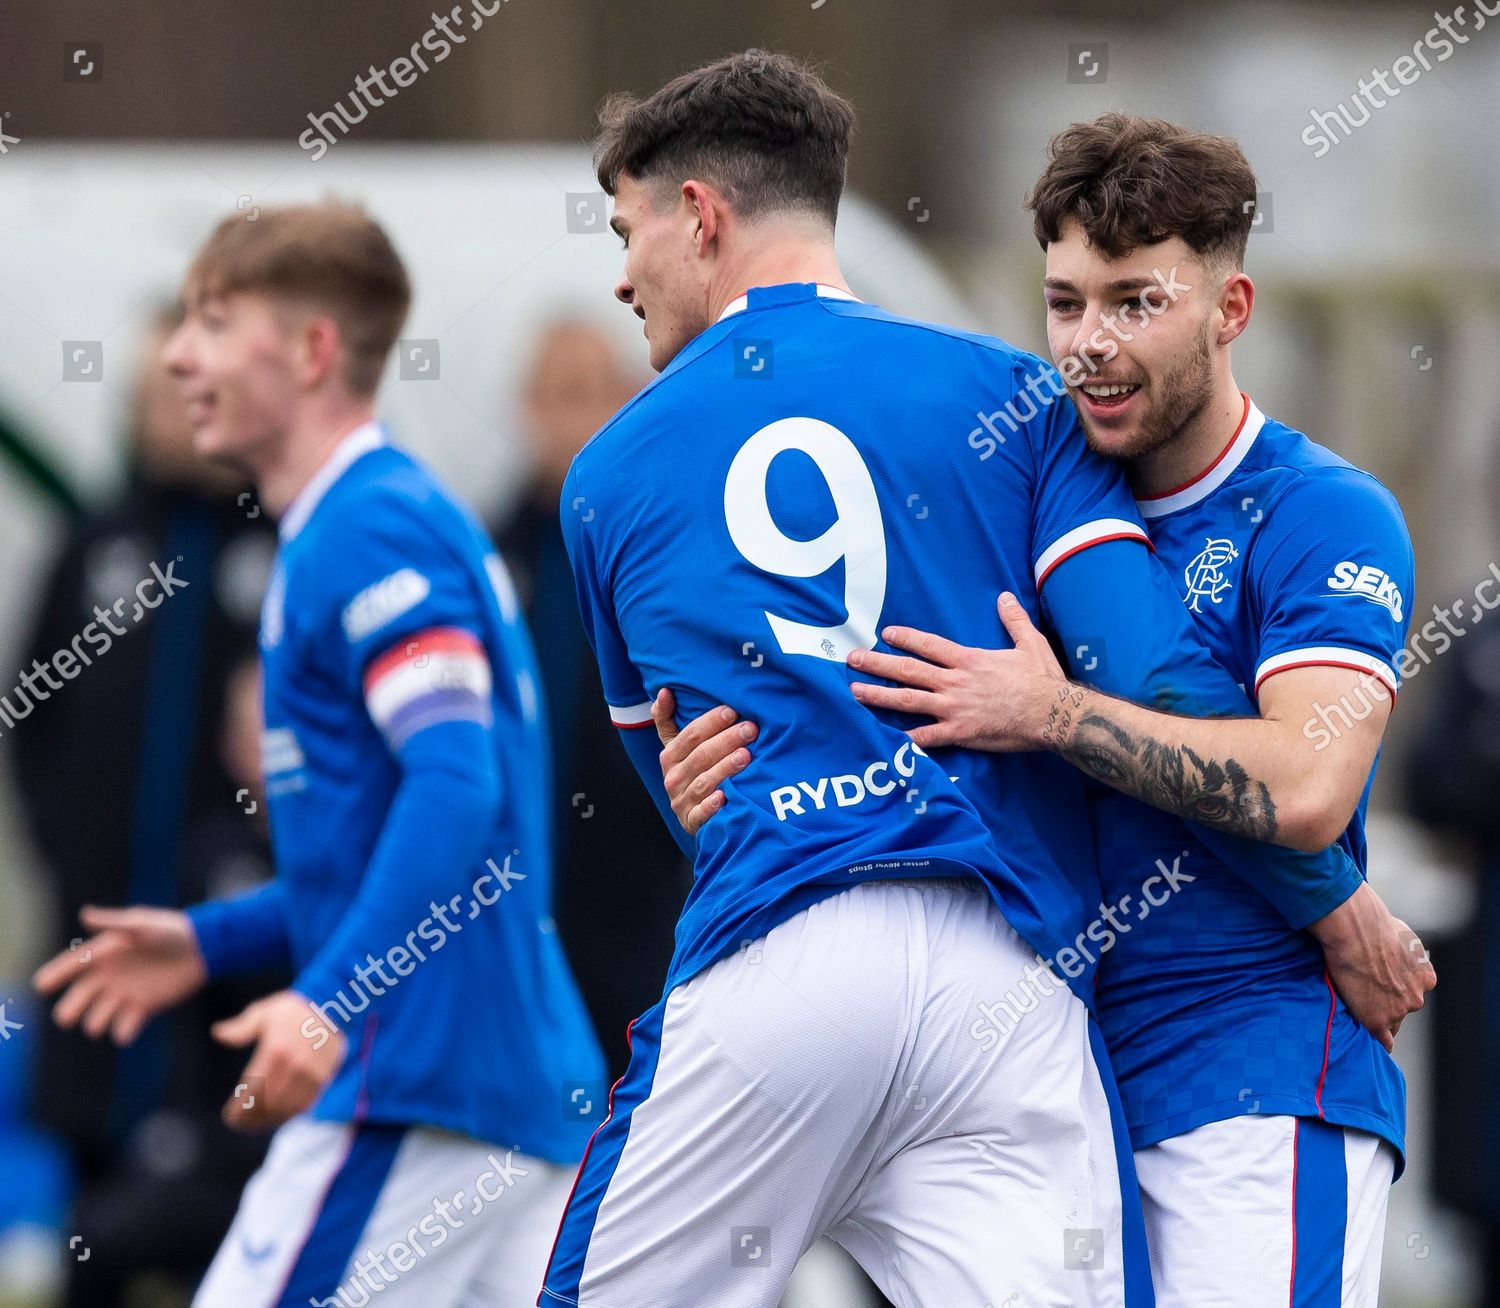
<point x="763" y="128"/>
<point x="1132" y="181"/>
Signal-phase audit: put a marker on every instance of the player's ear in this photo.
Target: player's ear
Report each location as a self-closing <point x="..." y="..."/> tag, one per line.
<point x="319" y="346"/>
<point x="1236" y="303"/>
<point x="704" y="202"/>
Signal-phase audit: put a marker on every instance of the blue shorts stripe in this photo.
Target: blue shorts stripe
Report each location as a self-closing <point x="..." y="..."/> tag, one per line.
<point x="1320" y="1202"/>
<point x="565" y="1267"/>
<point x="350" y="1199"/>
<point x="1137" y="1270"/>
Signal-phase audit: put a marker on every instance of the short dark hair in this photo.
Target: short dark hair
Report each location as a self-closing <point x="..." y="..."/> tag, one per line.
<point x="764" y="128"/>
<point x="332" y="255"/>
<point x="1132" y="181"/>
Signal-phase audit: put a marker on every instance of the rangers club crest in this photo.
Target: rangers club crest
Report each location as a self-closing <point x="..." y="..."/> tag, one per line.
<point x="1205" y="574"/>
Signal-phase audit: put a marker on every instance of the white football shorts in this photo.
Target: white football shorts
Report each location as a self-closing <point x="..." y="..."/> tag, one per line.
<point x="1266" y="1212"/>
<point x="341" y="1216"/>
<point x="831" y="1078"/>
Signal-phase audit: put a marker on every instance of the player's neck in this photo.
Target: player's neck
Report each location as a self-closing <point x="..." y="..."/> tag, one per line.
<point x="1190" y="451"/>
<point x="305" y="448"/>
<point x="775" y="260"/>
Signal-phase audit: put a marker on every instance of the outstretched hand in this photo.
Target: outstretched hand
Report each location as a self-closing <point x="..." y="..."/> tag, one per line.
<point x="137" y="963"/>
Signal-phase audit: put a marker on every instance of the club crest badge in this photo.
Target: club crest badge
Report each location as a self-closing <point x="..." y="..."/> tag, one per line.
<point x="1205" y="574"/>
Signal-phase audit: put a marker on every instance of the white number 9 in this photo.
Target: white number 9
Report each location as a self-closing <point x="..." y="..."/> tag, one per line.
<point x="856" y="535"/>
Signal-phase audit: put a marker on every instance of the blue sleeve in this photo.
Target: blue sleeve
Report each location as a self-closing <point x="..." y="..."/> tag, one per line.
<point x="404" y="631"/>
<point x="644" y="749"/>
<point x="1124" y="629"/>
<point x="403" y="577"/>
<point x="1079" y="498"/>
<point x="432" y="841"/>
<point x="624" y="690"/>
<point x="1331" y="572"/>
<point x="243" y="933"/>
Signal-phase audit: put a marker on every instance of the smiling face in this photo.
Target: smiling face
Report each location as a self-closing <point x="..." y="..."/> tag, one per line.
<point x="1137" y="337"/>
<point x="666" y="278"/>
<point x="235" y="357"/>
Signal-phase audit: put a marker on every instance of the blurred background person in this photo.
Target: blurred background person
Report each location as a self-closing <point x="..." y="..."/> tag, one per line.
<point x="621" y="879"/>
<point x="1453" y="780"/>
<point x="138" y="782"/>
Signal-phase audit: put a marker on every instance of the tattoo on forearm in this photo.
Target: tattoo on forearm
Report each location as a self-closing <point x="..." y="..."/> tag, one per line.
<point x="1172" y="777"/>
<point x="1059" y="725"/>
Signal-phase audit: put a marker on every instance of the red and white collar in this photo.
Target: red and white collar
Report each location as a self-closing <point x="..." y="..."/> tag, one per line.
<point x="740" y="302"/>
<point x="1212" y="477"/>
<point x="359" y="442"/>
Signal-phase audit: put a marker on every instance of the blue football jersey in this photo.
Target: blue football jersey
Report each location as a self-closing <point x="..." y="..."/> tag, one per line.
<point x="807" y="470"/>
<point x="1286" y="556"/>
<point x="388" y="614"/>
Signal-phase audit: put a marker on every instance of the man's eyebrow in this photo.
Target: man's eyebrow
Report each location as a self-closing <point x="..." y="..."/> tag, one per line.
<point x="1121" y="284"/>
<point x="617" y="227"/>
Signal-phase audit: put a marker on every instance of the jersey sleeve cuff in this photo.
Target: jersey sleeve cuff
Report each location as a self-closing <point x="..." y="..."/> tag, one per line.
<point x="1301" y="910"/>
<point x="1081" y="538"/>
<point x="213" y="939"/>
<point x="231" y="938"/>
<point x="631" y="717"/>
<point x="325" y="994"/>
<point x="1328" y="656"/>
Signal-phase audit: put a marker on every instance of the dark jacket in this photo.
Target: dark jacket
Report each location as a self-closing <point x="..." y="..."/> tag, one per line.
<point x="1453" y="781"/>
<point x="121" y="782"/>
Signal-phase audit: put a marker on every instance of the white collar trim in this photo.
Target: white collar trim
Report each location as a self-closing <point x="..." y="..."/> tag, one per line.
<point x="359" y="442"/>
<point x="741" y="302"/>
<point x="1215" y="475"/>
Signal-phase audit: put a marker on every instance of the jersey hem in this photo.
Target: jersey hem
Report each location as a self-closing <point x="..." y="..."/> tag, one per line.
<point x="533" y="1145"/>
<point x="1350" y="1116"/>
<point x="817" y="888"/>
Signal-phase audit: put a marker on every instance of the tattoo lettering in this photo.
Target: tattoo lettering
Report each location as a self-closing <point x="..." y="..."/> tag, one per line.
<point x="1059" y="724"/>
